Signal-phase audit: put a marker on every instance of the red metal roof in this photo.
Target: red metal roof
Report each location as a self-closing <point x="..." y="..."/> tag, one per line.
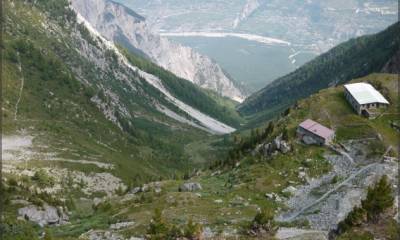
<point x="317" y="128"/>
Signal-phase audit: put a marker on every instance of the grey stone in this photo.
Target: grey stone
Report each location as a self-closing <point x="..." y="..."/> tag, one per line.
<point x="190" y="187"/>
<point x="135" y="190"/>
<point x="49" y="215"/>
<point x="290" y="190"/>
<point x="120" y="225"/>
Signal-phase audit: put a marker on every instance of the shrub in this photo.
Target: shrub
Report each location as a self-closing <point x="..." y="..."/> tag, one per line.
<point x="355" y="218"/>
<point x="158" y="228"/>
<point x="379" y="198"/>
<point x="42" y="178"/>
<point x="12" y="181"/>
<point x="393" y="230"/>
<point x="12" y="229"/>
<point x="48" y="235"/>
<point x="263" y="223"/>
<point x="103" y="206"/>
<point x="356" y="236"/>
<point x="192" y="230"/>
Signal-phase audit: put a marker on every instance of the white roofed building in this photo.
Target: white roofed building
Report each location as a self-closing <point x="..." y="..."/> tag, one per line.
<point x="364" y="98"/>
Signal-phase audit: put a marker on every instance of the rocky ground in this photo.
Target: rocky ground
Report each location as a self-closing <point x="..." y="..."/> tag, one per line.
<point x="326" y="200"/>
<point x="23" y="159"/>
<point x="322" y="201"/>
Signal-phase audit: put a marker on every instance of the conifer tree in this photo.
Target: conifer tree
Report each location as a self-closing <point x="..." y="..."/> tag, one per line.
<point x="379" y="198"/>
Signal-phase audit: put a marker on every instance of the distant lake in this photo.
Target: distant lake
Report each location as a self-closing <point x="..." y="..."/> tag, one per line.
<point x="252" y="63"/>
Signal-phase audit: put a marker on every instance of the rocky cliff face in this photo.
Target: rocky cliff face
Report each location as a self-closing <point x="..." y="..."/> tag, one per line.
<point x="120" y="24"/>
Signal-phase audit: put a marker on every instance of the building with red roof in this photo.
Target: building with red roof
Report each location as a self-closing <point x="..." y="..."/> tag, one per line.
<point x="311" y="132"/>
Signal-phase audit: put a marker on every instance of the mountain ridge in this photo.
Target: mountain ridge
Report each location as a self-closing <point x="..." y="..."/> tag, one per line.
<point x="120" y="105"/>
<point x="114" y="22"/>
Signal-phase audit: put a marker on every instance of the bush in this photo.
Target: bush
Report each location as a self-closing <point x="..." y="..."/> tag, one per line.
<point x="356" y="236"/>
<point x="264" y="223"/>
<point x="192" y="230"/>
<point x="42" y="178"/>
<point x="12" y="229"/>
<point x="103" y="206"/>
<point x="158" y="228"/>
<point x="48" y="235"/>
<point x="393" y="230"/>
<point x="355" y="218"/>
<point x="12" y="182"/>
<point x="379" y="198"/>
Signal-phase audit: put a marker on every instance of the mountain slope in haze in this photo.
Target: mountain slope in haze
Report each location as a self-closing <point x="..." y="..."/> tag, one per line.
<point x="311" y="25"/>
<point x="121" y="25"/>
<point x="355" y="58"/>
<point x="74" y="98"/>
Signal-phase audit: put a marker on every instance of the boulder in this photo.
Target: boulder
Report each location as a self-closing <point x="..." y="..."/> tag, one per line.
<point x="190" y="187"/>
<point x="270" y="196"/>
<point x="216" y="173"/>
<point x="207" y="233"/>
<point x="135" y="190"/>
<point x="302" y="175"/>
<point x="121" y="225"/>
<point x="48" y="215"/>
<point x="97" y="201"/>
<point x="145" y="188"/>
<point x="277" y="145"/>
<point x="290" y="190"/>
<point x="273" y="196"/>
<point x="284" y="147"/>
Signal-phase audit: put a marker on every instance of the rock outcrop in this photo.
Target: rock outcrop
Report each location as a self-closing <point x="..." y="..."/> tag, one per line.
<point x="47" y="215"/>
<point x="273" y="147"/>
<point x="120" y="24"/>
<point x="190" y="187"/>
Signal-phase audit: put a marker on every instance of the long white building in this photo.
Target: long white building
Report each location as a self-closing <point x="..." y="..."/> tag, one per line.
<point x="364" y="98"/>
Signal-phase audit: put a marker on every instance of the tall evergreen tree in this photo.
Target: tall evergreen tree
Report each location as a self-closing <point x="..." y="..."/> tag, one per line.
<point x="379" y="198"/>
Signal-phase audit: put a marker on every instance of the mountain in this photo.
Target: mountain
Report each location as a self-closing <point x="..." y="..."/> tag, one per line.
<point x="309" y="25"/>
<point x="354" y="58"/>
<point x="121" y="25"/>
<point x="245" y="36"/>
<point x="77" y="99"/>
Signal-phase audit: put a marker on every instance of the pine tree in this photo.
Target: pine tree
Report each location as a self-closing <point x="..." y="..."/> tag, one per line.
<point x="158" y="227"/>
<point x="379" y="198"/>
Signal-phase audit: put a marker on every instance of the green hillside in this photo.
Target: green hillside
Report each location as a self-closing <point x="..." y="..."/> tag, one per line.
<point x="219" y="107"/>
<point x="352" y="59"/>
<point x="51" y="90"/>
<point x="233" y="189"/>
